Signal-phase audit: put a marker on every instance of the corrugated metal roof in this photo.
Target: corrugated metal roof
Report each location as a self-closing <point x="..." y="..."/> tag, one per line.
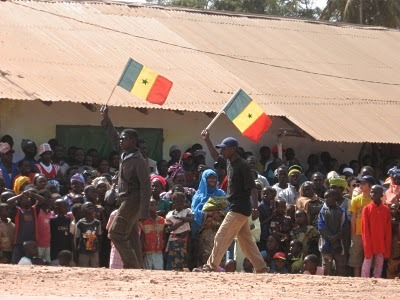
<point x="338" y="83"/>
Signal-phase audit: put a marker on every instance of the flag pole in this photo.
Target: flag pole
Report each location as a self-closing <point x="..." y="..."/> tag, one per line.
<point x="223" y="109"/>
<point x="109" y="97"/>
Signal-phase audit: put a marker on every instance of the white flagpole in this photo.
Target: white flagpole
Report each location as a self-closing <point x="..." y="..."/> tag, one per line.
<point x="109" y="97"/>
<point x="223" y="109"/>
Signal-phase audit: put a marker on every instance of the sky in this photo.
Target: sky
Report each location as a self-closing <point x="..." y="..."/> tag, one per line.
<point x="320" y="3"/>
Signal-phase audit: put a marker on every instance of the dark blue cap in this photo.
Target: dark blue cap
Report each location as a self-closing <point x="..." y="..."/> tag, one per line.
<point x="368" y="179"/>
<point x="227" y="143"/>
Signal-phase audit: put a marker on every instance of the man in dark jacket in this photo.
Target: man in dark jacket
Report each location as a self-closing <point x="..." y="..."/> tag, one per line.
<point x="134" y="194"/>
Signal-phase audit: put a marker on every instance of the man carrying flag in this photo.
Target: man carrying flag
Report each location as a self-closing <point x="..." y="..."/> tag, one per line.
<point x="134" y="194"/>
<point x="240" y="187"/>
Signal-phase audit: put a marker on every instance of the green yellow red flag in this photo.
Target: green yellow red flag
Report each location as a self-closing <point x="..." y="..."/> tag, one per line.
<point x="145" y="83"/>
<point x="248" y="116"/>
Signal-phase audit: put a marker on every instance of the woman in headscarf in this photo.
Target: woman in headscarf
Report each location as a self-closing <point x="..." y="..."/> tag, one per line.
<point x="205" y="221"/>
<point x="20" y="183"/>
<point x="177" y="178"/>
<point x="158" y="184"/>
<point x="77" y="184"/>
<point x="306" y="193"/>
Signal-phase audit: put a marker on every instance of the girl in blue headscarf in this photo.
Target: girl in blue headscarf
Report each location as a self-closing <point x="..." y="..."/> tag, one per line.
<point x="207" y="188"/>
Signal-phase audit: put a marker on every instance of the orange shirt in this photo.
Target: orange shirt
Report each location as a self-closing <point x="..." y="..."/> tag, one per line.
<point x="153" y="231"/>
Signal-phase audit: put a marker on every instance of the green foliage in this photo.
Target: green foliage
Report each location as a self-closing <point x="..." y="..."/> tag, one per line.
<point x="288" y="8"/>
<point x="374" y="12"/>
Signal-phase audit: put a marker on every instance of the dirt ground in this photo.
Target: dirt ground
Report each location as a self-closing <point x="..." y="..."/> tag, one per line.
<point x="36" y="282"/>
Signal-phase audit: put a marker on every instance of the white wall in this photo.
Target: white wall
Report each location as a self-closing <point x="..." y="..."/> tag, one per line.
<point x="34" y="120"/>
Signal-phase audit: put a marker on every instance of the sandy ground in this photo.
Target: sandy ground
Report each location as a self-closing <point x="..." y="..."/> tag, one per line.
<point x="25" y="282"/>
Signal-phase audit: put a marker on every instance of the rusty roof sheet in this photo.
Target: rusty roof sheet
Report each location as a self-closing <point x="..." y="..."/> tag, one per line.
<point x="335" y="81"/>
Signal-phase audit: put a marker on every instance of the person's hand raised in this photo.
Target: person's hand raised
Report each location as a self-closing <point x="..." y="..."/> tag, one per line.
<point x="205" y="134"/>
<point x="104" y="111"/>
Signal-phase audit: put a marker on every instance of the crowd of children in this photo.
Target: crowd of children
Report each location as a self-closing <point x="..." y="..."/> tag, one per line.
<point x="57" y="211"/>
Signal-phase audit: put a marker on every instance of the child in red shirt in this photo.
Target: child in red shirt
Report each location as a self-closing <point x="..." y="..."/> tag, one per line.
<point x="376" y="233"/>
<point x="152" y="238"/>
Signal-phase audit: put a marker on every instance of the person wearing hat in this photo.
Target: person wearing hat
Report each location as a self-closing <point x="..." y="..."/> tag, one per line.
<point x="340" y="186"/>
<point x="9" y="139"/>
<point x="348" y="172"/>
<point x="275" y="151"/>
<point x="241" y="188"/>
<point x="8" y="168"/>
<point x="356" y="257"/>
<point x="291" y="193"/>
<point x="134" y="193"/>
<point x="30" y="150"/>
<point x="279" y="263"/>
<point x="45" y="166"/>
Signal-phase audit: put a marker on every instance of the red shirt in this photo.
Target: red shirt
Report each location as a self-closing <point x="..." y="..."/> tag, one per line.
<point x="52" y="171"/>
<point x="376" y="227"/>
<point x="153" y="231"/>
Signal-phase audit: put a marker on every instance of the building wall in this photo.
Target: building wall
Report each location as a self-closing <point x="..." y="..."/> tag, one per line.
<point x="34" y="120"/>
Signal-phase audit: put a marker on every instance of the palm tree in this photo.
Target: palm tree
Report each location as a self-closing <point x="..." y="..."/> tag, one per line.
<point x="370" y="12"/>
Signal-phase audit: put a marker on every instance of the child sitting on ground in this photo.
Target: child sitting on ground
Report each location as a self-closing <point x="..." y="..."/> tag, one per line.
<point x="152" y="238"/>
<point x="311" y="266"/>
<point x="87" y="233"/>
<point x="279" y="265"/>
<point x="30" y="249"/>
<point x="65" y="257"/>
<point x="271" y="249"/>
<point x="230" y="266"/>
<point x="6" y="235"/>
<point x="247" y="266"/>
<point x="295" y="257"/>
<point x="178" y="225"/>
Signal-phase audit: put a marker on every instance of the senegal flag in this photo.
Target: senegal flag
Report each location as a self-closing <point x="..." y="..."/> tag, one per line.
<point x="144" y="83"/>
<point x="247" y="116"/>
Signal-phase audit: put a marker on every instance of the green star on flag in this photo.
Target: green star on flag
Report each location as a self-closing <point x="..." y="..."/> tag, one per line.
<point x="144" y="81"/>
<point x="250" y="116"/>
